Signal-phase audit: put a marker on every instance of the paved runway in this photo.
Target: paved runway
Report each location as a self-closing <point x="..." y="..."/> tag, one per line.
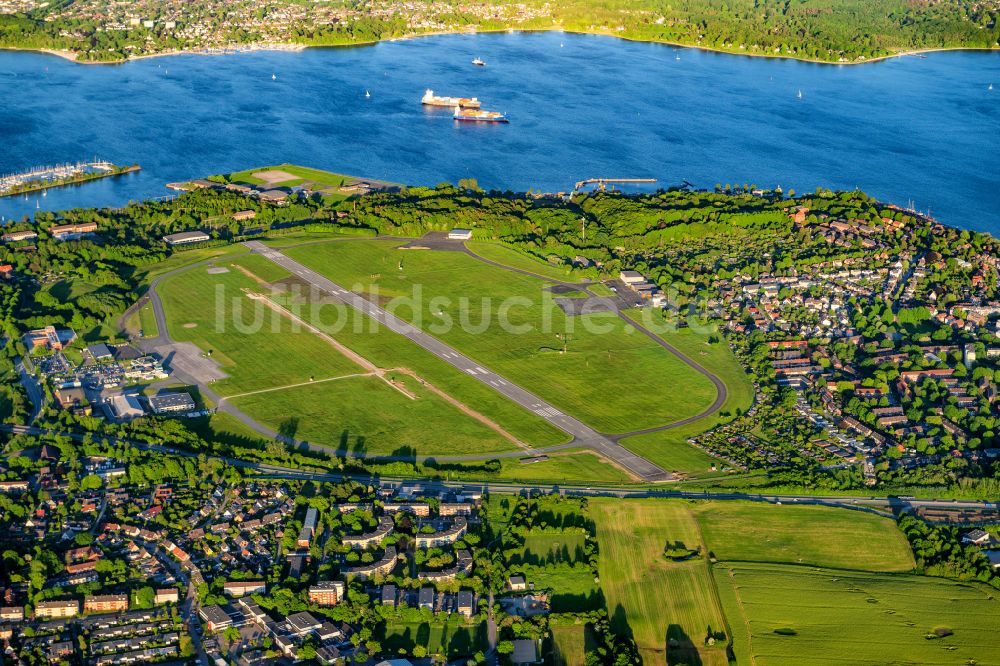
<point x="582" y="434"/>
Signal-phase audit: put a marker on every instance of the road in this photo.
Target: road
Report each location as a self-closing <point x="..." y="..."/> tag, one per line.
<point x="721" y="392"/>
<point x="32" y="388"/>
<point x="583" y="435"/>
<point x="859" y="502"/>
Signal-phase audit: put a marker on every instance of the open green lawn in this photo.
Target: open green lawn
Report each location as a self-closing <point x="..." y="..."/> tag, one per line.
<point x="571" y="588"/>
<point x="366" y="415"/>
<point x="187" y="257"/>
<point x="260" y="267"/>
<point x="610" y="376"/>
<point x="542" y="548"/>
<point x="301" y="174"/>
<point x="276" y="355"/>
<point x="255" y="347"/>
<point x="581" y="466"/>
<point x="669" y="607"/>
<point x="669" y="448"/>
<point x="509" y="256"/>
<point x="784" y="614"/>
<point x="452" y="639"/>
<point x="568" y="645"/>
<point x="795" y="534"/>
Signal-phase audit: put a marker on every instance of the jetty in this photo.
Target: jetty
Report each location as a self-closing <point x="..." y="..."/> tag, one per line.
<point x="59" y="175"/>
<point x="602" y="183"/>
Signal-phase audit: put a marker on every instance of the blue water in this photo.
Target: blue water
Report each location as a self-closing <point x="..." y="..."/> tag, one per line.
<point x="920" y="130"/>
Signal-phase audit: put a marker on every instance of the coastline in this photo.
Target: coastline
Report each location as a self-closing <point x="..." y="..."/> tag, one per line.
<point x="80" y="180"/>
<point x="72" y="56"/>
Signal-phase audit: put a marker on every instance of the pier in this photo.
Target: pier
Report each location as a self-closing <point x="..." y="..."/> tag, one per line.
<point x="602" y="183"/>
<point x="44" y="177"/>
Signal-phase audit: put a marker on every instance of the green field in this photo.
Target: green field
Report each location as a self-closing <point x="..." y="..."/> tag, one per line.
<point x="509" y="256"/>
<point x="301" y="174"/>
<point x="365" y="415"/>
<point x="277" y="356"/>
<point x="784" y="614"/>
<point x="542" y="548"/>
<point x="564" y="466"/>
<point x="669" y="448"/>
<point x="670" y="608"/>
<point x="571" y="588"/>
<point x="452" y="639"/>
<point x="214" y="313"/>
<point x="610" y="376"/>
<point x="569" y="644"/>
<point x="326" y="182"/>
<point x="813" y="535"/>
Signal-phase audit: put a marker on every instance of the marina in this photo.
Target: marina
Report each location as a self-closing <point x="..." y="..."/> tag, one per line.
<point x="44" y="177"/>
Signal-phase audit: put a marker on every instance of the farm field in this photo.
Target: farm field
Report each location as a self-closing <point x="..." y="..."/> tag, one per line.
<point x="784" y="614"/>
<point x="670" y="608"/>
<point x="364" y="415"/>
<point x="594" y="380"/>
<point x="812" y="535"/>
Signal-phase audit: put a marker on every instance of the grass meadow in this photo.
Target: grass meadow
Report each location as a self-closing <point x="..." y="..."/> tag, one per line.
<point x="670" y="608"/>
<point x="509" y="256"/>
<point x="364" y="412"/>
<point x="451" y="639"/>
<point x="782" y="614"/>
<point x="616" y="381"/>
<point x="796" y="534"/>
<point x="273" y="355"/>
<point x="669" y="448"/>
<point x="569" y="645"/>
<point x="365" y="415"/>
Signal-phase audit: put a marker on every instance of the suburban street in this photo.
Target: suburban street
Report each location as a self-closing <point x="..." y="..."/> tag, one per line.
<point x="582" y="434"/>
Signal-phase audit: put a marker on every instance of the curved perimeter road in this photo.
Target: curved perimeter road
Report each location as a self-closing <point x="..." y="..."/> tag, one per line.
<point x="721" y="391"/>
<point x="583" y="435"/>
<point x="605" y="444"/>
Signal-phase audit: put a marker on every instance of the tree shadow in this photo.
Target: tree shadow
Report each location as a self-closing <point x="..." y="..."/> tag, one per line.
<point x="360" y="448"/>
<point x="680" y="648"/>
<point x="288" y="428"/>
<point x="405" y="454"/>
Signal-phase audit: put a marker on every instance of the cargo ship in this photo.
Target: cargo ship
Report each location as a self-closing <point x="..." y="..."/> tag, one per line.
<point x="430" y="99"/>
<point x="476" y="115"/>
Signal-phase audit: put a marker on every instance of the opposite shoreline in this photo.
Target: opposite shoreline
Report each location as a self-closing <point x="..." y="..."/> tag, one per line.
<point x="72" y="56"/>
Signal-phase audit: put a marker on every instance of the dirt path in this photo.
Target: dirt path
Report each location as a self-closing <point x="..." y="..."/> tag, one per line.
<point x="291" y="386"/>
<point x="250" y="274"/>
<point x="465" y="409"/>
<point x="381" y="373"/>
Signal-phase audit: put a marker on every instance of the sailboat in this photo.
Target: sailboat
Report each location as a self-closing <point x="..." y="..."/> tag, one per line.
<point x="274" y="77"/>
<point x="799" y="95"/>
<point x="990" y="87"/>
<point x="367" y="95"/>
